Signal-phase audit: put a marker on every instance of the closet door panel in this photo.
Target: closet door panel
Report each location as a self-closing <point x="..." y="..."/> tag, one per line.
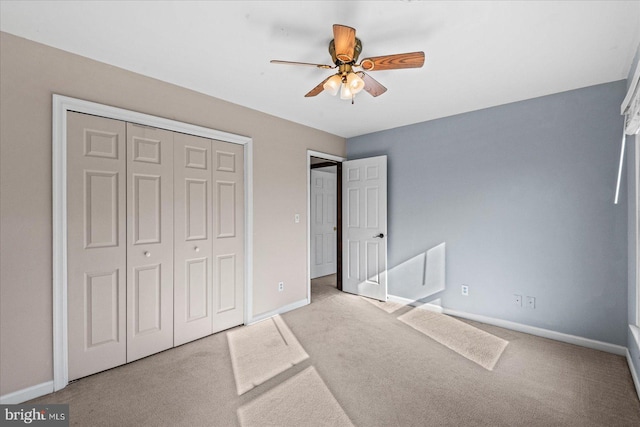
<point x="155" y="240"/>
<point x="193" y="243"/>
<point x="149" y="241"/>
<point x="228" y="242"/>
<point x="96" y="244"/>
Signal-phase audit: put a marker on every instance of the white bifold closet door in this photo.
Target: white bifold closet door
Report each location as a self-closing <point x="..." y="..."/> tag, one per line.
<point x="155" y="240"/>
<point x="209" y="237"/>
<point x="228" y="235"/>
<point x="193" y="315"/>
<point x="96" y="244"/>
<point x="149" y="241"/>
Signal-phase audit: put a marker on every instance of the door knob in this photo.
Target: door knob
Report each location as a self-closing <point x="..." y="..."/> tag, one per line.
<point x="378" y="236"/>
<point x="197" y="249"/>
<point x="147" y="254"/>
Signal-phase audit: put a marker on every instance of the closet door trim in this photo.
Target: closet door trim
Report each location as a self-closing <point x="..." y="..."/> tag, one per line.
<point x="63" y="104"/>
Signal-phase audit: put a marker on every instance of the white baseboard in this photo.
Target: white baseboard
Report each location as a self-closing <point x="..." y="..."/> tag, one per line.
<point x="533" y="330"/>
<point x="281" y="310"/>
<point x="635" y="332"/>
<point x="28" y="393"/>
<point x="634" y="374"/>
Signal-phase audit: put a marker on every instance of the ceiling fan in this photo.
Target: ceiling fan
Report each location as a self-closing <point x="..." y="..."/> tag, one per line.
<point x="345" y="49"/>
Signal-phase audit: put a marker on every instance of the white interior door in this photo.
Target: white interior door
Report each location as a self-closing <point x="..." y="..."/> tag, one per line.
<point x="193" y="317"/>
<point x="97" y="244"/>
<point x="323" y="222"/>
<point x="364" y="219"/>
<point x="228" y="235"/>
<point x="149" y="241"/>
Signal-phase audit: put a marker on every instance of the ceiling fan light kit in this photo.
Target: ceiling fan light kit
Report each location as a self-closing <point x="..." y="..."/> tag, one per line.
<point x="348" y="85"/>
<point x="332" y="86"/>
<point x="354" y="83"/>
<point x="345" y="48"/>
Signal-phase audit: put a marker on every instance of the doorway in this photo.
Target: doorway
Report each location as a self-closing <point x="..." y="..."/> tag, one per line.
<point x="323" y="219"/>
<point x="324" y="222"/>
<point x="361" y="221"/>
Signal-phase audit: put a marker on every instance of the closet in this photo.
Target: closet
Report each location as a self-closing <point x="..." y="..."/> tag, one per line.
<point x="155" y="240"/>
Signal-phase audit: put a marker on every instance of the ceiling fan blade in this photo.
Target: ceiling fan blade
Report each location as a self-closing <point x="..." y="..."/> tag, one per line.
<point x="316" y="90"/>
<point x="277" y="61"/>
<point x="393" y="62"/>
<point x="345" y="41"/>
<point x="372" y="86"/>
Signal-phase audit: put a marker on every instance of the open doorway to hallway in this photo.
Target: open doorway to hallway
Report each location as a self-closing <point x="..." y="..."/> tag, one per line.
<point x="323" y="215"/>
<point x="324" y="221"/>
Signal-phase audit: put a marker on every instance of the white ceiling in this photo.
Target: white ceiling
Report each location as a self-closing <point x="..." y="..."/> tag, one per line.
<point x="478" y="54"/>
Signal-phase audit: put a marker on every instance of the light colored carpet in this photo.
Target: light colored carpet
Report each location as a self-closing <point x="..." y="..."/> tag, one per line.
<point x="262" y="351"/>
<point x="388" y="306"/>
<point x="475" y="344"/>
<point x="381" y="371"/>
<point x="324" y="287"/>
<point x="303" y="400"/>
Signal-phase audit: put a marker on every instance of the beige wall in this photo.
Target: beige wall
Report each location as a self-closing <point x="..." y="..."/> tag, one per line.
<point x="29" y="74"/>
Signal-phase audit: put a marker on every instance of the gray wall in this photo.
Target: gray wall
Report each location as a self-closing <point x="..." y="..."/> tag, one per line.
<point x="632" y="147"/>
<point x="522" y="194"/>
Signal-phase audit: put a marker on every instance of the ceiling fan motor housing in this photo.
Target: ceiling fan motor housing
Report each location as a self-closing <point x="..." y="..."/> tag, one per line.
<point x="356" y="53"/>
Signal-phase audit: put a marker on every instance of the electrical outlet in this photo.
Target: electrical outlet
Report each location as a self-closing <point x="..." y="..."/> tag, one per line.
<point x="531" y="302"/>
<point x="517" y="299"/>
<point x="465" y="290"/>
<point x="280" y="286"/>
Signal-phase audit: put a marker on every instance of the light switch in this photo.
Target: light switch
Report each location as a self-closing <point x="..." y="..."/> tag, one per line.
<point x="297" y="218"/>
